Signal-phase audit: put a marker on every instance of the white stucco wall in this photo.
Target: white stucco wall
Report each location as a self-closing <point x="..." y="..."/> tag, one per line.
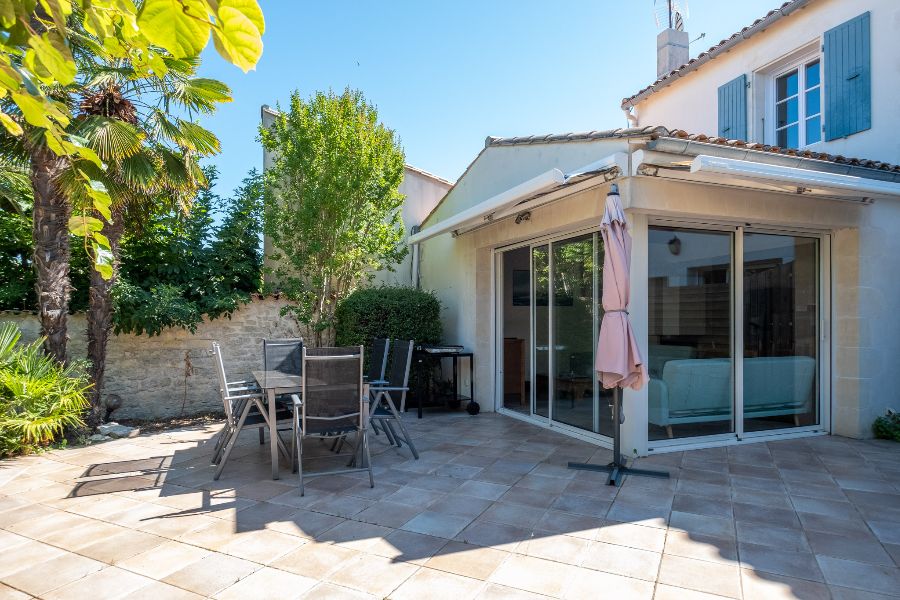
<point x="690" y="103"/>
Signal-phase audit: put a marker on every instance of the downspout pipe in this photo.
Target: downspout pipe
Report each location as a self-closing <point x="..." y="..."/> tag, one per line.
<point x="415" y="257"/>
<point x="630" y="116"/>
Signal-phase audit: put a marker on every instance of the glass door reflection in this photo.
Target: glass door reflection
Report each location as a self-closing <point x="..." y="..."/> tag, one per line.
<point x="691" y="389"/>
<point x="573" y="332"/>
<point x="781" y="316"/>
<point x="540" y="277"/>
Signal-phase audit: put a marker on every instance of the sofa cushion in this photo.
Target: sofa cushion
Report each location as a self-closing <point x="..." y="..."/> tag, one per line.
<point x="778" y="383"/>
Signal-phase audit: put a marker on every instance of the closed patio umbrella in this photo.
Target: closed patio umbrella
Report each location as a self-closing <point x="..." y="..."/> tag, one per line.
<point x="619" y="363"/>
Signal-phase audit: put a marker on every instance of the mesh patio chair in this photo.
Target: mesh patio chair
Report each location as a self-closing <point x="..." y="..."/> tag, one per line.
<point x="244" y="408"/>
<point x="334" y="404"/>
<point x="384" y="408"/>
<point x="377" y="361"/>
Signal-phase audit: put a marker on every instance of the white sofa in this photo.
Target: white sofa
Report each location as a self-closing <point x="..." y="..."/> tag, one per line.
<point x="700" y="390"/>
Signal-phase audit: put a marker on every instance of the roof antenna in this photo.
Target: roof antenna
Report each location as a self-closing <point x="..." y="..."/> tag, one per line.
<point x="671" y="13"/>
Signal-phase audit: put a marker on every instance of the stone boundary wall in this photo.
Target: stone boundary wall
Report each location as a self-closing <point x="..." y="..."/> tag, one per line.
<point x="172" y="374"/>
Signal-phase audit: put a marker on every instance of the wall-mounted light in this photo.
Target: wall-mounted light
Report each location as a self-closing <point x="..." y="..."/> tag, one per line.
<point x="524" y="216"/>
<point x="675" y="245"/>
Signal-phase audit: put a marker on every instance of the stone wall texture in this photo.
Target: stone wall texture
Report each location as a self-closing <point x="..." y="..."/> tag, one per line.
<point x="172" y="374"/>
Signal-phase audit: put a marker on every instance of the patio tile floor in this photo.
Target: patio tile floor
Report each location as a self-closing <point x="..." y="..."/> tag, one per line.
<point x="490" y="511"/>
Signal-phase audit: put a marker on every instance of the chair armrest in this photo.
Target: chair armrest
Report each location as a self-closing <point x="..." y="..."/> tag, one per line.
<point x="295" y="400"/>
<point x="243" y="396"/>
<point x="389" y="389"/>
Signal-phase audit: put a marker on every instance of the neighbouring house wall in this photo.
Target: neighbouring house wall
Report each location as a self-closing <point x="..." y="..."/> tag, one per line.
<point x="690" y="103"/>
<point x="422" y="193"/>
<point x="173" y="374"/>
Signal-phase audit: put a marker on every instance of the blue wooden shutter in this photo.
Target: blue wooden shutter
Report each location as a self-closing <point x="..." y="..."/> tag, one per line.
<point x="848" y="78"/>
<point x="733" y="109"/>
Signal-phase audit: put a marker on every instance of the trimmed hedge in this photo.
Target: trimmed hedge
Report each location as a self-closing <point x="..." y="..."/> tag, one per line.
<point x="393" y="312"/>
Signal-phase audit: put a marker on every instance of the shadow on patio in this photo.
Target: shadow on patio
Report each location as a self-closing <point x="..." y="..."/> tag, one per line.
<point x="490" y="508"/>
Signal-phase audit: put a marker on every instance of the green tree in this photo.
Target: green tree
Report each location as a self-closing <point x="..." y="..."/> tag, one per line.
<point x="179" y="267"/>
<point x="40" y="75"/>
<point x="332" y="202"/>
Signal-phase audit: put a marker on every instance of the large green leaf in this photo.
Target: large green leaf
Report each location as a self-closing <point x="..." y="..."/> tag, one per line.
<point x="179" y="26"/>
<point x="83" y="225"/>
<point x="236" y="37"/>
<point x="55" y="56"/>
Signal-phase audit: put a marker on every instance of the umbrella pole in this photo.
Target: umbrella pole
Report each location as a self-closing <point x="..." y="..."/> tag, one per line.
<point x="617" y="469"/>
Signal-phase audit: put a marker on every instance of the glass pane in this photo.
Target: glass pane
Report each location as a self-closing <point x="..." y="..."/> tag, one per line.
<point x="812" y="74"/>
<point x="787" y="112"/>
<point x="516" y="313"/>
<point x="540" y="260"/>
<point x="781" y="299"/>
<point x="573" y="332"/>
<point x="813" y="102"/>
<point x="793" y="139"/>
<point x="786" y="85"/>
<point x="787" y="137"/>
<point x="689" y="359"/>
<point x="813" y="130"/>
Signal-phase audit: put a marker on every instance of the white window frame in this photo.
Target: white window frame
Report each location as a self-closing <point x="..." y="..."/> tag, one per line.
<point x="798" y="62"/>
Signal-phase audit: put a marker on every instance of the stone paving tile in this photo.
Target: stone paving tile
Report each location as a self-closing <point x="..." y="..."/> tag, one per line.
<point x="860" y="576"/>
<point x="535" y="575"/>
<point x="44" y="576"/>
<point x="592" y="584"/>
<point x="372" y="574"/>
<point x="211" y="574"/>
<point x="268" y="583"/>
<point x="111" y="582"/>
<point x="702" y="576"/>
<point x="766" y="586"/>
<point x="437" y="585"/>
<point x="621" y="560"/>
<point x="801" y="565"/>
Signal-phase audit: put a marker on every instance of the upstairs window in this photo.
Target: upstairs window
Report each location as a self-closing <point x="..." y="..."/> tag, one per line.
<point x="798" y="105"/>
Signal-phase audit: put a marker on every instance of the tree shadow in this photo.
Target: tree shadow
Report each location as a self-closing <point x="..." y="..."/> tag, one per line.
<point x="497" y="482"/>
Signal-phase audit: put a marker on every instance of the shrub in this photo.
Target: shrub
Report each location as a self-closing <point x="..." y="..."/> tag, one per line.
<point x="393" y="312"/>
<point x="887" y="427"/>
<point x="39" y="398"/>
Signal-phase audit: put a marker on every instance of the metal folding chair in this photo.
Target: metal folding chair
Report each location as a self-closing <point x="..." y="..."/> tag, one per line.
<point x="334" y="404"/>
<point x="243" y="404"/>
<point x="383" y="409"/>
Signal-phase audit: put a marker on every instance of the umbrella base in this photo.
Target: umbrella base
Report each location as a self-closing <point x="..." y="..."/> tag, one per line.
<point x="617" y="469"/>
<point x="617" y="472"/>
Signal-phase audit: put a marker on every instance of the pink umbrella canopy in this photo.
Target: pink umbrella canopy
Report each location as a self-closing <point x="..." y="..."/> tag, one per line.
<point x="619" y="362"/>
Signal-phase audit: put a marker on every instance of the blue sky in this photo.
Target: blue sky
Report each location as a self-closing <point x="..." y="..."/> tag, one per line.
<point x="444" y="75"/>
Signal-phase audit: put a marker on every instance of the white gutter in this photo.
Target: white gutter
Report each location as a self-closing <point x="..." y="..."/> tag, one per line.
<point x="485" y="210"/>
<point x="804" y="179"/>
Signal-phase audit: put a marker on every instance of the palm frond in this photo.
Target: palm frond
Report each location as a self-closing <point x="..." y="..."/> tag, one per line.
<point x="196" y="138"/>
<point x="112" y="139"/>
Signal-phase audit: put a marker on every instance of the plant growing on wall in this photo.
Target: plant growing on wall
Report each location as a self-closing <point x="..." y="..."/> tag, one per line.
<point x="332" y="202"/>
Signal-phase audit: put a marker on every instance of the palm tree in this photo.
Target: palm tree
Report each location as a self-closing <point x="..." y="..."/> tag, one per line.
<point x="150" y="155"/>
<point x="125" y="113"/>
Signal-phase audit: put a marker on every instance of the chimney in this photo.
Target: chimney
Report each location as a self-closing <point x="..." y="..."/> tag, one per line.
<point x="672" y="50"/>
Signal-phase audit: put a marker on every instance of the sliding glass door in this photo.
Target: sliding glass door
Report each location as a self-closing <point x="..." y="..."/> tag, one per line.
<point x="548" y="314"/>
<point x="781" y="333"/>
<point x="702" y="382"/>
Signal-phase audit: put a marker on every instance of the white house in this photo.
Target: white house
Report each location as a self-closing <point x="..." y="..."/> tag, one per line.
<point x="762" y="288"/>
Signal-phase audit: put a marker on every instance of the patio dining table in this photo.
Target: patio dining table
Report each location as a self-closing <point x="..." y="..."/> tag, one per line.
<point x="276" y="383"/>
